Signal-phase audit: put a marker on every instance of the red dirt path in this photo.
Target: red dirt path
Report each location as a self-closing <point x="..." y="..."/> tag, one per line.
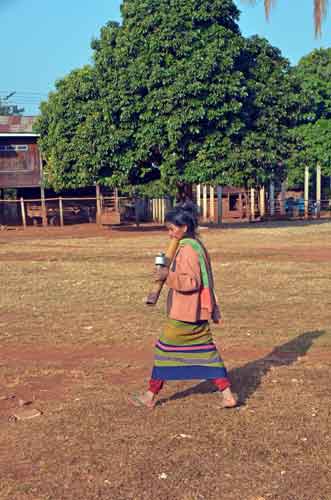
<point x="137" y="364"/>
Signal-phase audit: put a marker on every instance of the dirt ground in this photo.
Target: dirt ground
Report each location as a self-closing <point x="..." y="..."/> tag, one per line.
<point x="76" y="338"/>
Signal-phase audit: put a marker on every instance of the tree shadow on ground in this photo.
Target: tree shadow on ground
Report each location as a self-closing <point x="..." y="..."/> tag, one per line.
<point x="269" y="224"/>
<point x="247" y="378"/>
<point x="142" y="228"/>
<point x="149" y="227"/>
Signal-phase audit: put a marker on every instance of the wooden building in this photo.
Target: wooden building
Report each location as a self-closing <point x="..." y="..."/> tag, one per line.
<point x="235" y="203"/>
<point x="231" y="202"/>
<point x="20" y="163"/>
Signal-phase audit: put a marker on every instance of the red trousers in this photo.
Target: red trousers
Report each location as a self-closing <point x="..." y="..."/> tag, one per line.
<point x="156" y="385"/>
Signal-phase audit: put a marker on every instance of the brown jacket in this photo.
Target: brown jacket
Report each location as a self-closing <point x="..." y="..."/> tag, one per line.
<point x="184" y="281"/>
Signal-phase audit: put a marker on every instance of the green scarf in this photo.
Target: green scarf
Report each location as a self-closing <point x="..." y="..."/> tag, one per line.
<point x="207" y="293"/>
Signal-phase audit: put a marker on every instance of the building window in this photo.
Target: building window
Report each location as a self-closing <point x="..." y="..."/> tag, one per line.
<point x="8" y="148"/>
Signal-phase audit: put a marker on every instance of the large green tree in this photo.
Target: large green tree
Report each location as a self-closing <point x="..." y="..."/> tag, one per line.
<point x="313" y="146"/>
<point x="172" y="88"/>
<point x="188" y="98"/>
<point x="312" y="135"/>
<point x="70" y="128"/>
<point x="270" y="110"/>
<point x="314" y="73"/>
<point x="175" y="95"/>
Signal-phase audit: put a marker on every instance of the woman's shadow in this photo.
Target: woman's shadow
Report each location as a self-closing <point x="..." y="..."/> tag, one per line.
<point x="247" y="378"/>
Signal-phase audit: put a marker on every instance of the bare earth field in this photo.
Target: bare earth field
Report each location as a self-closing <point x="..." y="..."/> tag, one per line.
<point x="76" y="338"/>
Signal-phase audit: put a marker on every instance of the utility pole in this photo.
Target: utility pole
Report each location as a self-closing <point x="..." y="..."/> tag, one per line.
<point x="9" y="109"/>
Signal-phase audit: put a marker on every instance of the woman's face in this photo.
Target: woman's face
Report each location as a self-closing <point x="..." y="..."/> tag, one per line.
<point x="176" y="232"/>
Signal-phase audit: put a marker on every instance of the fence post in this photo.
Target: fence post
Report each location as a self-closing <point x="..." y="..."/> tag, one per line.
<point x="2" y="206"/>
<point x="23" y="212"/>
<point x="211" y="203"/>
<point x="42" y="193"/>
<point x="153" y="209"/>
<point x="205" y="207"/>
<point x="318" y="190"/>
<point x="137" y="210"/>
<point x="159" y="210"/>
<point x="198" y="196"/>
<point x="219" y="205"/>
<point x="306" y="195"/>
<point x="162" y="210"/>
<point x="148" y="208"/>
<point x="61" y="211"/>
<point x="252" y="196"/>
<point x="282" y="198"/>
<point x="156" y="210"/>
<point x="272" y="198"/>
<point x="262" y="201"/>
<point x="97" y="193"/>
<point x="241" y="205"/>
<point x="43" y="207"/>
<point x="117" y="204"/>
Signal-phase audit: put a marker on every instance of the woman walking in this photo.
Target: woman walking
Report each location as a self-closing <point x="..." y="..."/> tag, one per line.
<point x="186" y="350"/>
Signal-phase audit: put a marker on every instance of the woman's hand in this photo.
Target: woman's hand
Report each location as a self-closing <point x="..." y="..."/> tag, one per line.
<point x="160" y="273"/>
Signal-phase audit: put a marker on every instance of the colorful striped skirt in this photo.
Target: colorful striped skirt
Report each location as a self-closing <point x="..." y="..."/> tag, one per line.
<point x="186" y="351"/>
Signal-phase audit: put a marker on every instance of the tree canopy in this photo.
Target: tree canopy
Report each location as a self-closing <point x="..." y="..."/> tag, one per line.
<point x="172" y="87"/>
<point x="68" y="137"/>
<point x="270" y="110"/>
<point x="312" y="135"/>
<point x="175" y="94"/>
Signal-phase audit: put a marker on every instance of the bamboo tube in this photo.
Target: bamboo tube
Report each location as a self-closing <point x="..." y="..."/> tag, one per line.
<point x="154" y="294"/>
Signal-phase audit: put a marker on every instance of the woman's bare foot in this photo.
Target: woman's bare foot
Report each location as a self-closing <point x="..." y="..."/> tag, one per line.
<point x="229" y="400"/>
<point x="145" y="399"/>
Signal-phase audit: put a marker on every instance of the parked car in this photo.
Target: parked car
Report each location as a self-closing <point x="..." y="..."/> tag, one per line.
<point x="295" y="206"/>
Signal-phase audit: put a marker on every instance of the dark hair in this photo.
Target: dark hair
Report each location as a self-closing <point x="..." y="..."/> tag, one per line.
<point x="184" y="214"/>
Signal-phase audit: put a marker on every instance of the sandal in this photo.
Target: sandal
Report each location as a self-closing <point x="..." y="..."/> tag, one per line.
<point x="136" y="400"/>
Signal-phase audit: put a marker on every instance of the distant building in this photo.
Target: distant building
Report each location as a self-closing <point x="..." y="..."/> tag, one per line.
<point x="20" y="162"/>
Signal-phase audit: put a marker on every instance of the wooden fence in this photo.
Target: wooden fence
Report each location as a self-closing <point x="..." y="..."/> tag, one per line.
<point x="215" y="204"/>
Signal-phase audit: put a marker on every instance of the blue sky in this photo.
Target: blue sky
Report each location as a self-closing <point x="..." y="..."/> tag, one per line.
<point x="42" y="40"/>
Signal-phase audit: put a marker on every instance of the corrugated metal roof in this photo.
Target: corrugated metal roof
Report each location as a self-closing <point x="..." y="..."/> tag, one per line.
<point x="11" y="134"/>
<point x="16" y="124"/>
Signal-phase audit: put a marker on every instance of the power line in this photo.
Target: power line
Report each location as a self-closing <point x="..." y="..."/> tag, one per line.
<point x="25" y="101"/>
<point x="22" y="98"/>
<point x="23" y="92"/>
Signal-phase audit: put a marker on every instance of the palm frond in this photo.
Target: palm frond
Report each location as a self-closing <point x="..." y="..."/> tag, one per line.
<point x="320" y="11"/>
<point x="268" y="4"/>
